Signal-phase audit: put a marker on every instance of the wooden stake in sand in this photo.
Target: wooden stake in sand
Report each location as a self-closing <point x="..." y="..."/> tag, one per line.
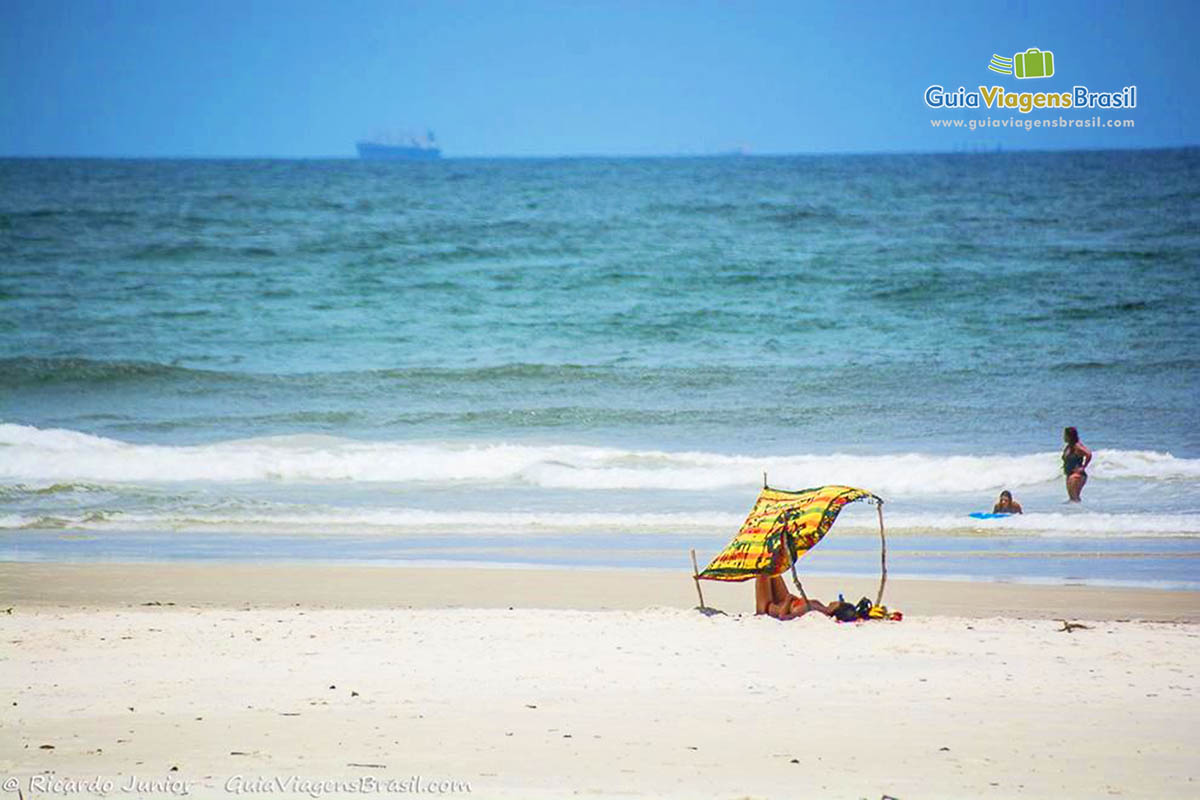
<point x="882" y="554"/>
<point x="696" y="578"/>
<point x="800" y="587"/>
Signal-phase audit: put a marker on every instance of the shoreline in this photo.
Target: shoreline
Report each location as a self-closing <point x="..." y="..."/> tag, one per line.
<point x="239" y="585"/>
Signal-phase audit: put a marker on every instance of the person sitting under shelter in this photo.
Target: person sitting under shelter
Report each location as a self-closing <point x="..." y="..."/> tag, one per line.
<point x="771" y="597"/>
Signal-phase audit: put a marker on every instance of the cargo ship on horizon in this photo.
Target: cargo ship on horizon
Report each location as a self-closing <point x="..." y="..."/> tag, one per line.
<point x="399" y="148"/>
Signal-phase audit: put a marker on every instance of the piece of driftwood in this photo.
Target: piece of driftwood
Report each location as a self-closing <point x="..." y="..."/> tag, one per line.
<point x="1071" y="627"/>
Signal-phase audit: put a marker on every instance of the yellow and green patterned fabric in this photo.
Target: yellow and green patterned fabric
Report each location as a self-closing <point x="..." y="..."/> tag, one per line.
<point x="781" y="528"/>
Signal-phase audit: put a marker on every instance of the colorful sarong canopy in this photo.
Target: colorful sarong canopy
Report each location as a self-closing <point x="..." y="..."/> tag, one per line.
<point x="781" y="528"/>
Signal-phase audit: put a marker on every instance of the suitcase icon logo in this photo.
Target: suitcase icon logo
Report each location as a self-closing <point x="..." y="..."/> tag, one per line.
<point x="1033" y="63"/>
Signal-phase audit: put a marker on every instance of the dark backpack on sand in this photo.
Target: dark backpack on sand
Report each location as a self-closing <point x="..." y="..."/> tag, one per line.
<point x="863" y="609"/>
<point x="845" y="613"/>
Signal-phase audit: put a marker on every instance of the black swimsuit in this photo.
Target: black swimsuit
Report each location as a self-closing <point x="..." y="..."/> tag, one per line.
<point x="1072" y="461"/>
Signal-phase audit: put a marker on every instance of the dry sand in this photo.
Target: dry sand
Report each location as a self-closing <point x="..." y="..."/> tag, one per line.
<point x="319" y="681"/>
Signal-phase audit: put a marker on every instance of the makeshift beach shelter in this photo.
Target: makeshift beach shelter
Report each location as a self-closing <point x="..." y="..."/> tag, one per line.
<point x="781" y="528"/>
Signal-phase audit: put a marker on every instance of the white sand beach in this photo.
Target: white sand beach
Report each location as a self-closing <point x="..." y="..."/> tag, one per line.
<point x="226" y="680"/>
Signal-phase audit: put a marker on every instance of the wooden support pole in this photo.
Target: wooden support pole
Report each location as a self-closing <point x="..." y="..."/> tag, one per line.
<point x="796" y="580"/>
<point x="882" y="555"/>
<point x="696" y="579"/>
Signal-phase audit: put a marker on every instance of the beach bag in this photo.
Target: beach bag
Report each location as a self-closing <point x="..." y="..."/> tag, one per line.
<point x="845" y="613"/>
<point x="863" y="609"/>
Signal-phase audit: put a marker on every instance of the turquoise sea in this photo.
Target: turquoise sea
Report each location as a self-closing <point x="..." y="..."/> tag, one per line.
<point x="592" y="362"/>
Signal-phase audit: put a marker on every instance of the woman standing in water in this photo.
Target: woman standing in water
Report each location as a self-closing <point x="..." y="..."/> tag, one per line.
<point x="1075" y="458"/>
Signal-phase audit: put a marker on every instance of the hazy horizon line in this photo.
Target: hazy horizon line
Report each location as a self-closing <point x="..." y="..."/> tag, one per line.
<point x="602" y="156"/>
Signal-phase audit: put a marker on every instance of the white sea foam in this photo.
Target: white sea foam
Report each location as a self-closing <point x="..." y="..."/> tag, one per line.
<point x="1044" y="524"/>
<point x="392" y="521"/>
<point x="35" y="456"/>
<point x="332" y="520"/>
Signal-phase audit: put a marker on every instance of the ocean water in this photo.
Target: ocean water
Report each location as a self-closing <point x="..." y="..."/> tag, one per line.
<point x="592" y="362"/>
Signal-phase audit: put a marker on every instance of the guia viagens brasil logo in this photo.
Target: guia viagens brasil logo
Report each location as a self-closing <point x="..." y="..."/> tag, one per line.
<point x="1028" y="64"/>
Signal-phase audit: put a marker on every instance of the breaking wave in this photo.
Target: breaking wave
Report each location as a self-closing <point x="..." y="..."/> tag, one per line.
<point x="45" y="457"/>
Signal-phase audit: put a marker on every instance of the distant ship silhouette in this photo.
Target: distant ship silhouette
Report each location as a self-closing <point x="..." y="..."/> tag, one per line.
<point x="399" y="148"/>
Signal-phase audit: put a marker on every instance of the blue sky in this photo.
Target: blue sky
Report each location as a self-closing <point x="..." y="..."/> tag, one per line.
<point x="306" y="79"/>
